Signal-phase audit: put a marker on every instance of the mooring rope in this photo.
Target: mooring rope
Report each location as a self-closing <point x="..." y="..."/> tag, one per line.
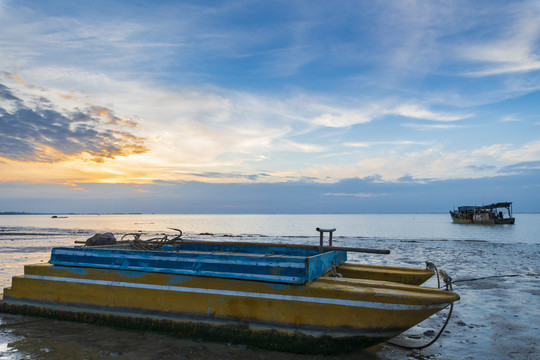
<point x="492" y="277"/>
<point x="431" y="266"/>
<point x="448" y="282"/>
<point x="432" y="341"/>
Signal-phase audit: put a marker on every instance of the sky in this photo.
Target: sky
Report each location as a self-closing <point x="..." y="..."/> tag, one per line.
<point x="268" y="106"/>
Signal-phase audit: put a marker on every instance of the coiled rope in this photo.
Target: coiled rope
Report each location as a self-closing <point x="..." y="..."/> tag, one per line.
<point x="155" y="244"/>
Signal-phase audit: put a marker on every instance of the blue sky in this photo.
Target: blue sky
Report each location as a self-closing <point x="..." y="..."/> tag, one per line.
<point x="268" y="106"/>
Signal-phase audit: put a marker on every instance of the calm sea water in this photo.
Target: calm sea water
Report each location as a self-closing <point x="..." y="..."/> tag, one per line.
<point x="372" y="226"/>
<point x="495" y="269"/>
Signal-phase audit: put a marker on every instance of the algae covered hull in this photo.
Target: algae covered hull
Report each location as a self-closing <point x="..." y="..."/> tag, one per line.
<point x="200" y="292"/>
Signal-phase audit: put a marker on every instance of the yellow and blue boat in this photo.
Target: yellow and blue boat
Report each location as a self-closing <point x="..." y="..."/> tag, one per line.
<point x="297" y="299"/>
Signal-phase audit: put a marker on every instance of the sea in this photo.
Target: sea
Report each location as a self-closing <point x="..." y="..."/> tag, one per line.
<point x="495" y="270"/>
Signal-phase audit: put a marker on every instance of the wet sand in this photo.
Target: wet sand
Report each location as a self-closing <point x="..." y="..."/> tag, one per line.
<point x="498" y="316"/>
<point x="38" y="338"/>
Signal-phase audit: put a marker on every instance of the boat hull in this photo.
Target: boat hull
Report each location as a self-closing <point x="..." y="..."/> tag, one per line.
<point x="497" y="221"/>
<point x="491" y="214"/>
<point x="325" y="315"/>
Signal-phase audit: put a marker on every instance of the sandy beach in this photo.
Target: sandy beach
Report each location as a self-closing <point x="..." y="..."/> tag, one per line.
<point x="498" y="316"/>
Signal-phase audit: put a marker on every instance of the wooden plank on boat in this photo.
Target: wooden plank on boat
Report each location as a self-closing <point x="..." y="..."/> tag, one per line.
<point x="289" y="246"/>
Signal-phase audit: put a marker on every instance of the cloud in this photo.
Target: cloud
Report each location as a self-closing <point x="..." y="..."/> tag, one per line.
<point x="348" y="196"/>
<point x="346" y="116"/>
<point x="418" y="112"/>
<point x="198" y="90"/>
<point x="411" y="179"/>
<point x="509" y="118"/>
<point x="205" y="135"/>
<point x="509" y="153"/>
<point x="423" y="164"/>
<point x="481" y="168"/>
<point x="425" y="127"/>
<point x="513" y="47"/>
<point x="524" y="166"/>
<point x="360" y="195"/>
<point x="212" y="175"/>
<point x="366" y="144"/>
<point x="44" y="134"/>
<point x="6" y="94"/>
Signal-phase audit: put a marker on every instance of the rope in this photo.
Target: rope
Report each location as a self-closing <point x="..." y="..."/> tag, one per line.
<point x="448" y="282"/>
<point x="154" y="244"/>
<point x="491" y="277"/>
<point x="333" y="272"/>
<point x="432" y="341"/>
<point x="431" y="266"/>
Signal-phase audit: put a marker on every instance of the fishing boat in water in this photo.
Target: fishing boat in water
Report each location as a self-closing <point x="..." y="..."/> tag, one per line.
<point x="492" y="214"/>
<point x="274" y="296"/>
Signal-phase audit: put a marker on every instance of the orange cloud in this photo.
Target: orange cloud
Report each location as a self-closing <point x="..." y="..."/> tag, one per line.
<point x="118" y="121"/>
<point x="112" y="119"/>
<point x="101" y="111"/>
<point x="15" y="78"/>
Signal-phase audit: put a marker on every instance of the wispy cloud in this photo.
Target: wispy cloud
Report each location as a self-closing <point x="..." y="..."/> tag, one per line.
<point x="426" y="127"/>
<point x="513" y="47"/>
<point x="346" y="116"/>
<point x="417" y="112"/>
<point x="510" y="118"/>
<point x="367" y="144"/>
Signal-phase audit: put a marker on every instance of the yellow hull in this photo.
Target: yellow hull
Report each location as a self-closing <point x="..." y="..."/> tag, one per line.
<point x="363" y="312"/>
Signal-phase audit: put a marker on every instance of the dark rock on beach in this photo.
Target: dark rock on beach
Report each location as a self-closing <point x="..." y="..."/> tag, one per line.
<point x="101" y="239"/>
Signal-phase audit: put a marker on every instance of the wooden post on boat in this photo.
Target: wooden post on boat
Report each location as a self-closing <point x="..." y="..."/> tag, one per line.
<point x="321" y="233"/>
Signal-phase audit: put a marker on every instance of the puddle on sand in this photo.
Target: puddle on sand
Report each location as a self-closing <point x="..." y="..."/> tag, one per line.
<point x="7" y="352"/>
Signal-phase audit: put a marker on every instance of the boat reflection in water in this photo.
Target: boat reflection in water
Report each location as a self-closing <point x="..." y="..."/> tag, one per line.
<point x="273" y="296"/>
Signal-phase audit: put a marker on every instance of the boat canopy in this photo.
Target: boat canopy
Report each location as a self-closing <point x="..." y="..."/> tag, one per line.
<point x="486" y="207"/>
